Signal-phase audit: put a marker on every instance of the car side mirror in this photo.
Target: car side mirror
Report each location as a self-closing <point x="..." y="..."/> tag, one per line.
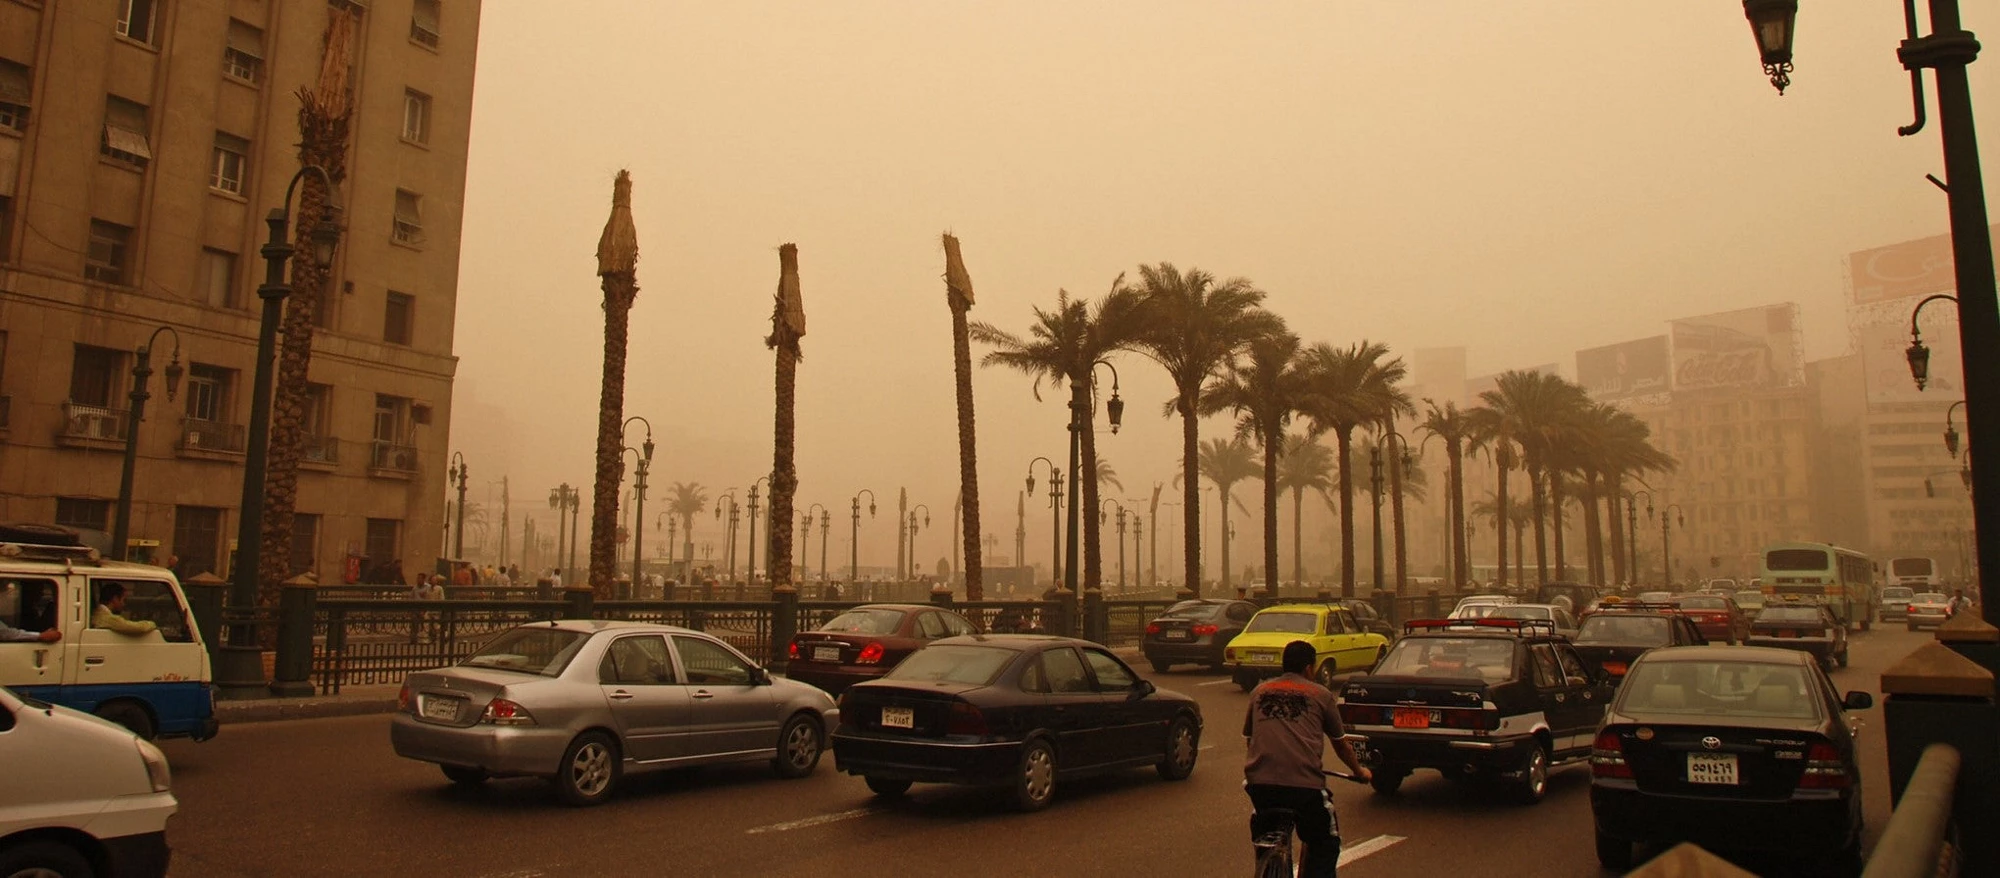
<point x="1143" y="688"/>
<point x="760" y="677"/>
<point x="1857" y="701"/>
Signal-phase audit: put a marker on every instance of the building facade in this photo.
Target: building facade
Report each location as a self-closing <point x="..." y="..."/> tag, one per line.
<point x="141" y="141"/>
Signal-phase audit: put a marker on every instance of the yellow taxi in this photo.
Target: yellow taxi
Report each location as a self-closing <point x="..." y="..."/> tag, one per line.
<point x="1343" y="644"/>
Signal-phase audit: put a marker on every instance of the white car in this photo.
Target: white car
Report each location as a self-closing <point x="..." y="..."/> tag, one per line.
<point x="1927" y="609"/>
<point x="1476" y="606"/>
<point x="84" y="796"/>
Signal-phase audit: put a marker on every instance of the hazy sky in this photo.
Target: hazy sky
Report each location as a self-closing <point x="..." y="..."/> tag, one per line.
<point x="1523" y="178"/>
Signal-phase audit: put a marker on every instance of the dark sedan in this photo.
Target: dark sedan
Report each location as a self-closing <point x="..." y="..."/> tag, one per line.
<point x="1617" y="634"/>
<point x="1808" y="628"/>
<point x="1732" y="748"/>
<point x="1019" y="711"/>
<point x="1194" y="632"/>
<point x="866" y="642"/>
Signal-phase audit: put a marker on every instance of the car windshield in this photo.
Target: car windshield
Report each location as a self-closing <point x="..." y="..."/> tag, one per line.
<point x="1615" y="628"/>
<point x="1286" y="623"/>
<point x="1716" y="687"/>
<point x="1929" y="597"/>
<point x="1191" y="610"/>
<point x="1488" y="658"/>
<point x="1517" y="612"/>
<point x="951" y="663"/>
<point x="529" y="650"/>
<point x="1897" y="593"/>
<point x="877" y="621"/>
<point x="1702" y="602"/>
<point x="1789" y="614"/>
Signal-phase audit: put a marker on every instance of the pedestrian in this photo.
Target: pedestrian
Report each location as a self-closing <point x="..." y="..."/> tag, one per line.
<point x="1286" y="727"/>
<point x="555" y="578"/>
<point x="1957" y="602"/>
<point x="461" y="573"/>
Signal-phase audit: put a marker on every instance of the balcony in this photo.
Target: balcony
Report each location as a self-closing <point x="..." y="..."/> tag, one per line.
<point x="89" y="426"/>
<point x="320" y="453"/>
<point x="392" y="461"/>
<point x="210" y="440"/>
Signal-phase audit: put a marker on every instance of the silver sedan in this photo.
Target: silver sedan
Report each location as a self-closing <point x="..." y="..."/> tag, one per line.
<point x="583" y="702"/>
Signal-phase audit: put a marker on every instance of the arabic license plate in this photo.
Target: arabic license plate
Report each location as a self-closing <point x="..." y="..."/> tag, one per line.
<point x="826" y="653"/>
<point x="1712" y="768"/>
<point x="898" y="718"/>
<point x="440" y="708"/>
<point x="1177" y="634"/>
<point x="1411" y="718"/>
<point x="1264" y="658"/>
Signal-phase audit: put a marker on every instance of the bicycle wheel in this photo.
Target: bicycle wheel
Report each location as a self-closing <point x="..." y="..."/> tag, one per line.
<point x="1275" y="862"/>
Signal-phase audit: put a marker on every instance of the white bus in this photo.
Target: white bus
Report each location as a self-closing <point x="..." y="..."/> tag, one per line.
<point x="1920" y="574"/>
<point x="1842" y="579"/>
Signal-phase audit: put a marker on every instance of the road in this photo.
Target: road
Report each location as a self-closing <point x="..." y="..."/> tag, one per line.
<point x="327" y="797"/>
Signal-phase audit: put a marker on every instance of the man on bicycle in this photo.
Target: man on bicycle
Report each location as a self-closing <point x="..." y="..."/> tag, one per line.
<point x="1289" y="722"/>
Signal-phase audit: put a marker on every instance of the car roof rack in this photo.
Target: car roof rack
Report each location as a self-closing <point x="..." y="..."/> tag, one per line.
<point x="1520" y="625"/>
<point x="45" y="552"/>
<point x="1648" y="606"/>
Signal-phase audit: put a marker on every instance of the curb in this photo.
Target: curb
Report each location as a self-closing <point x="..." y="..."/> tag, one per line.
<point x="230" y="713"/>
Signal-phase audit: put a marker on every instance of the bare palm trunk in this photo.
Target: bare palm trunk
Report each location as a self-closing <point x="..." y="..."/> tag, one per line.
<point x="1462" y="552"/>
<point x="1344" y="440"/>
<point x="1503" y="515"/>
<point x="617" y="264"/>
<point x="1222" y="497"/>
<point x="1298" y="536"/>
<point x="1557" y="516"/>
<point x="1190" y="497"/>
<point x="1272" y="442"/>
<point x="1520" y="552"/>
<point x="1618" y="535"/>
<point x="958" y="294"/>
<point x="1539" y="505"/>
<point x="1593" y="529"/>
<point x="1093" y="556"/>
<point x="788" y="324"/>
<point x="1396" y="512"/>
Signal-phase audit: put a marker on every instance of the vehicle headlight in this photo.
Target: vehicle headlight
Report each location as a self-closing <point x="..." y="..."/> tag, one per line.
<point x="156" y="765"/>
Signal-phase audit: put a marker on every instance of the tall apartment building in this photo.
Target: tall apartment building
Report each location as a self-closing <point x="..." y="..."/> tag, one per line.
<point x="1745" y="475"/>
<point x="141" y="143"/>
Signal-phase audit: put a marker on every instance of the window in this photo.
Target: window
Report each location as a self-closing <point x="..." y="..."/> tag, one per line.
<point x="137" y="19"/>
<point x="409" y="223"/>
<point x="305" y="542"/>
<point x="930" y="627"/>
<point x="231" y="165"/>
<point x="383" y="541"/>
<point x="148" y="600"/>
<point x="28" y="604"/>
<point x="197" y="539"/>
<point x="207" y="392"/>
<point x="318" y="414"/>
<point x="218" y="278"/>
<point x="93" y="375"/>
<point x="416" y="116"/>
<point x="82" y="512"/>
<point x="1111" y="676"/>
<point x="424" y="23"/>
<point x="125" y="127"/>
<point x="1063" y="671"/>
<point x="105" y="263"/>
<point x="705" y="662"/>
<point x="640" y="660"/>
<point x="398" y="318"/>
<point x="1548" y="674"/>
<point x="243" y="54"/>
<point x="390" y="412"/>
<point x="16" y="94"/>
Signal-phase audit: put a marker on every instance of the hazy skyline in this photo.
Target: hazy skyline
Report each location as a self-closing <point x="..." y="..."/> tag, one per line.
<point x="1522" y="179"/>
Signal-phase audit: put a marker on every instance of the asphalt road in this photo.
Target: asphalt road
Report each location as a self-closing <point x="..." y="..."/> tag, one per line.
<point x="327" y="797"/>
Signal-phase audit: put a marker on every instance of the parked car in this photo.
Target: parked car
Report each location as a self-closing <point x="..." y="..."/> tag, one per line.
<point x="1340" y="642"/>
<point x="1732" y="748"/>
<point x="866" y="642"/>
<point x="1655" y="597"/>
<point x="84" y="796"/>
<point x="1365" y="613"/>
<point x="1893" y="602"/>
<point x="1749" y="600"/>
<point x="1554" y="614"/>
<point x="1022" y="711"/>
<point x="583" y="702"/>
<point x="1501" y="698"/>
<point x="1927" y="609"/>
<point x="1614" y="636"/>
<point x="1806" y="627"/>
<point x="1717" y="616"/>
<point x="1194" y="631"/>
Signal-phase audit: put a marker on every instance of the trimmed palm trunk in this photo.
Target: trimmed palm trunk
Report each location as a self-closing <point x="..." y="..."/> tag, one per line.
<point x="1190" y="496"/>
<point x="1618" y="535"/>
<point x="324" y="115"/>
<point x="1539" y="505"/>
<point x="1593" y="529"/>
<point x="1396" y="511"/>
<point x="1273" y="441"/>
<point x="788" y="325"/>
<point x="1557" y="518"/>
<point x="617" y="270"/>
<point x="1503" y="459"/>
<point x="1461" y="553"/>
<point x="1298" y="533"/>
<point x="958" y="295"/>
<point x="1344" y="442"/>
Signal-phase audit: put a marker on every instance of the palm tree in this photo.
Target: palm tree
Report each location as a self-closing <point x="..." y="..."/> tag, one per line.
<point x="1108" y="475"/>
<point x="1532" y="410"/>
<point x="1352" y="387"/>
<point x="1226" y="462"/>
<point x="1454" y="428"/>
<point x="1519" y="513"/>
<point x="788" y="325"/>
<point x="1404" y="478"/>
<point x="686" y="500"/>
<point x="958" y="295"/>
<point x="617" y="265"/>
<point x="1304" y="466"/>
<point x="1196" y="326"/>
<point x="1611" y="444"/>
<point x="1265" y="390"/>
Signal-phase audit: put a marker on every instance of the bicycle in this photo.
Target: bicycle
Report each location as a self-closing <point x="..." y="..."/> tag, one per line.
<point x="1274" y="846"/>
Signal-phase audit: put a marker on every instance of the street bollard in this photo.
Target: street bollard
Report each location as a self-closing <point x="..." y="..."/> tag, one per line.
<point x="204" y="596"/>
<point x="941" y="595"/>
<point x="291" y="673"/>
<point x="582" y="602"/>
<point x="1056" y="613"/>
<point x="784" y="624"/>
<point x="621" y="587"/>
<point x="1936" y="696"/>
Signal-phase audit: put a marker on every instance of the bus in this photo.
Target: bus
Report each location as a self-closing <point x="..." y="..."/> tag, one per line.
<point x="1842" y="579"/>
<point x="1917" y="573"/>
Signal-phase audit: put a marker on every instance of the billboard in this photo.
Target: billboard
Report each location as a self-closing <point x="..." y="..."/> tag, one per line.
<point x="1625" y="370"/>
<point x="1888" y="369"/>
<point x="1911" y="268"/>
<point x="1750" y="348"/>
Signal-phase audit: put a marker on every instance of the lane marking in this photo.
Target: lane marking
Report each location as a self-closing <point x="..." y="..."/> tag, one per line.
<point x="1217" y="683"/>
<point x="1205" y="747"/>
<point x="1372" y="846"/>
<point x="821" y="820"/>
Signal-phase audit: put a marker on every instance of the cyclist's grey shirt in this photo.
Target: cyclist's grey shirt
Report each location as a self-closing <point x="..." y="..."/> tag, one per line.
<point x="1288" y="722"/>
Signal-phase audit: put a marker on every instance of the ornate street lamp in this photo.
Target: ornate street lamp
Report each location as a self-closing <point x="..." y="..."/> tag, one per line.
<point x="1918" y="353"/>
<point x="1771" y="24"/>
<point x="459" y="475"/>
<point x="750" y="538"/>
<point x="645" y="455"/>
<point x="142" y="371"/>
<point x="1950" y="430"/>
<point x="854" y="535"/>
<point x="1055" y="516"/>
<point x="914" y="572"/>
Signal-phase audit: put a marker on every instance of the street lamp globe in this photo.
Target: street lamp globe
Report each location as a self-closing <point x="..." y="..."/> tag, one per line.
<point x="1919" y="356"/>
<point x="1116" y="408"/>
<point x="1771" y="24"/>
<point x="174" y="373"/>
<point x="1951" y="440"/>
<point x="326" y="234"/>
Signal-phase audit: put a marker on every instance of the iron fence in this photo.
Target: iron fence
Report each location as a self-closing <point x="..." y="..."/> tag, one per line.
<point x="358" y="642"/>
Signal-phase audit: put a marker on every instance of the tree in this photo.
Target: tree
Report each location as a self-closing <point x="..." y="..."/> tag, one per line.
<point x="1305" y="465"/>
<point x="1265" y="389"/>
<point x="1352" y="386"/>
<point x="686" y="500"/>
<point x="958" y="295"/>
<point x="617" y="269"/>
<point x="1532" y="411"/>
<point x="1197" y="326"/>
<point x="788" y="325"/>
<point x="1454" y="428"/>
<point x="1108" y="475"/>
<point x="1226" y="462"/>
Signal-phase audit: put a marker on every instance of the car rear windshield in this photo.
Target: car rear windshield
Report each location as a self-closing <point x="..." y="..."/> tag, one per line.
<point x="1929" y="597"/>
<point x="1191" y="610"/>
<point x="1717" y="688"/>
<point x="1911" y="566"/>
<point x="1518" y="612"/>
<point x="1699" y="602"/>
<point x="1788" y="614"/>
<point x="1896" y="592"/>
<point x="1488" y="658"/>
<point x="877" y="622"/>
<point x="1633" y="630"/>
<point x="529" y="650"/>
<point x="1286" y="623"/>
<point x="969" y="665"/>
<point x="1478" y="611"/>
<point x="1795" y="559"/>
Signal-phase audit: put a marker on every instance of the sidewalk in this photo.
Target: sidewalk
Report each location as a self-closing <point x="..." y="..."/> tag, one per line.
<point x="352" y="701"/>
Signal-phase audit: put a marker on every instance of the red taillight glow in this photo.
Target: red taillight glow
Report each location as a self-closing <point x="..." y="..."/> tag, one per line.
<point x="1607" y="757"/>
<point x="870" y="654"/>
<point x="501" y="712"/>
<point x="1824" y="769"/>
<point x="1205" y="630"/>
<point x="403" y="699"/>
<point x="794" y="650"/>
<point x="964" y="719"/>
<point x="1152" y="628"/>
<point x="1615" y="669"/>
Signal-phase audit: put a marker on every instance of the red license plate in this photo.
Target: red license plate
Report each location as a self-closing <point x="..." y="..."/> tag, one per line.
<point x="1411" y="718"/>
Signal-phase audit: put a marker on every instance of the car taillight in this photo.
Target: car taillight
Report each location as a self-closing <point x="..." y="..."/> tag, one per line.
<point x="1463" y="718"/>
<point x="501" y="712"/>
<point x="1824" y="769"/>
<point x="403" y="699"/>
<point x="1228" y="654"/>
<point x="1364" y="715"/>
<point x="1205" y="630"/>
<point x="1152" y="627"/>
<point x="793" y="650"/>
<point x="1615" y="669"/>
<point x="870" y="654"/>
<point x="964" y="719"/>
<point x="1607" y="757"/>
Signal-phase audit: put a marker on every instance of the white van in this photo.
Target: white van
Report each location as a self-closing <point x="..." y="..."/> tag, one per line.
<point x="83" y="796"/>
<point x="157" y="683"/>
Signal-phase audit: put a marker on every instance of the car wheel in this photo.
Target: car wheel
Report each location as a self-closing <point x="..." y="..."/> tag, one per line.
<point x="130" y="715"/>
<point x="1842" y="659"/>
<point x="1035" y="781"/>
<point x="45" y="858"/>
<point x="589" y="770"/>
<point x="1183" y="745"/>
<point x="1534" y="783"/>
<point x="886" y="788"/>
<point x="463" y="776"/>
<point x="799" y="747"/>
<point x="1246" y="683"/>
<point x="1161" y="667"/>
<point x="1327" y="671"/>
<point x="1614" y="853"/>
<point x="1387" y="780"/>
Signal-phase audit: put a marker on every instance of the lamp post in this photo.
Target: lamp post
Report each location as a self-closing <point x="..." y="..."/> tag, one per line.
<point x="854" y="536"/>
<point x="825" y="527"/>
<point x="1055" y="516"/>
<point x="912" y="525"/>
<point x="1081" y="412"/>
<point x="729" y="533"/>
<point x="1399" y="460"/>
<point x="1138" y="539"/>
<point x="1669" y="515"/>
<point x="240" y="662"/>
<point x="673" y="527"/>
<point x="1175" y="516"/>
<point x="564" y="498"/>
<point x="1946" y="52"/>
<point x="458" y="476"/>
<point x="1632" y="531"/>
<point x="1375" y="494"/>
<point x="142" y="371"/>
<point x="805" y="528"/>
<point x="750" y="538"/>
<point x="1470" y="581"/>
<point x="1121" y="533"/>
<point x="645" y="453"/>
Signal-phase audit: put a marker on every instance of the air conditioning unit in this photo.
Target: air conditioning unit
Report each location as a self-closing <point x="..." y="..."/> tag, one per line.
<point x="194" y="439"/>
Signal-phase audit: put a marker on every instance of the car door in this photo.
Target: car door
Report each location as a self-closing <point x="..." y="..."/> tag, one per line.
<point x="1130" y="733"/>
<point x="34" y="668"/>
<point x="647" y="703"/>
<point x="1597" y="690"/>
<point x="1075" y="709"/>
<point x="1344" y="635"/>
<point x="166" y="655"/>
<point x="728" y="711"/>
<point x="1562" y="701"/>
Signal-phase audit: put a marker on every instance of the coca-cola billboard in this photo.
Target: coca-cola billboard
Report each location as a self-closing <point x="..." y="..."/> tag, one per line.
<point x="1625" y="370"/>
<point x="1754" y="347"/>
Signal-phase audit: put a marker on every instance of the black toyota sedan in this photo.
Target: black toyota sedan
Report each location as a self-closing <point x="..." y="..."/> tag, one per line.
<point x="1194" y="631"/>
<point x="1020" y="711"/>
<point x="1734" y="748"/>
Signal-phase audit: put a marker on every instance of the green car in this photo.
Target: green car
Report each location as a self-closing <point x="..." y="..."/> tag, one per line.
<point x="1344" y="645"/>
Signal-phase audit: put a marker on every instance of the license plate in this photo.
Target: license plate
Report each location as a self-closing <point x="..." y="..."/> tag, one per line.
<point x="826" y="653"/>
<point x="1264" y="658"/>
<point x="898" y="718"/>
<point x="1177" y="635"/>
<point x="440" y="708"/>
<point x="1410" y="718"/>
<point x="1712" y="768"/>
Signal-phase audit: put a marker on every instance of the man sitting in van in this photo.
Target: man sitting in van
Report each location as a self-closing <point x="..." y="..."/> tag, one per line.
<point x="110" y="610"/>
<point x="26" y="611"/>
<point x="11" y="634"/>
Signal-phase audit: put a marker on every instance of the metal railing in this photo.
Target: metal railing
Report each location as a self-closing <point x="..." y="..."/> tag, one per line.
<point x="200" y="435"/>
<point x="94" y="422"/>
<point x="358" y="642"/>
<point x="1920" y="840"/>
<point x="321" y="449"/>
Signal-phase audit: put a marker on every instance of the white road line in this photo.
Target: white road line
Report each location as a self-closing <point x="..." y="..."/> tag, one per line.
<point x="821" y="820"/>
<point x="1217" y="683"/>
<point x="1374" y="845"/>
<point x="1207" y="747"/>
